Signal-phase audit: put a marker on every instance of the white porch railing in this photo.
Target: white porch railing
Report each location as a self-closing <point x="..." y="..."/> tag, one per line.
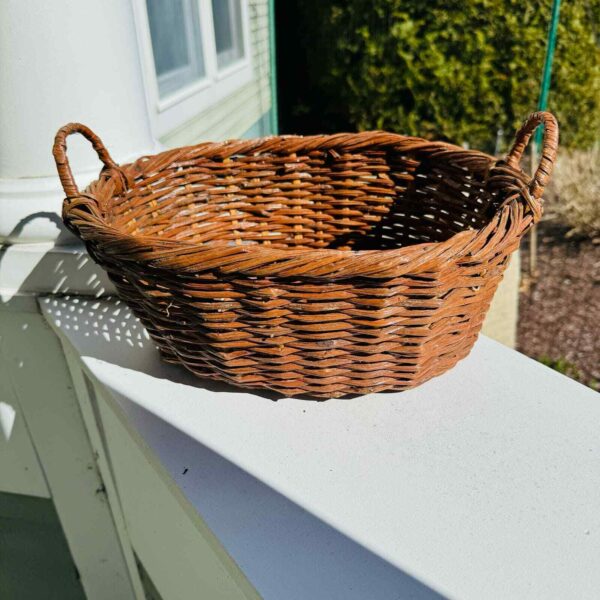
<point x="482" y="483"/>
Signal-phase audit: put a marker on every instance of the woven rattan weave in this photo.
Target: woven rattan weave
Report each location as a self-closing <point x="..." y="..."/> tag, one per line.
<point x="324" y="266"/>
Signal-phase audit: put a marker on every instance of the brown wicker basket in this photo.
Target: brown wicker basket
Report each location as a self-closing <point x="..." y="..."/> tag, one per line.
<point x="323" y="266"/>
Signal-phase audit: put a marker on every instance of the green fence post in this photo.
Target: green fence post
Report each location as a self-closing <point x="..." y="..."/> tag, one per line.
<point x="547" y="72"/>
<point x="273" y="70"/>
<point x="542" y="105"/>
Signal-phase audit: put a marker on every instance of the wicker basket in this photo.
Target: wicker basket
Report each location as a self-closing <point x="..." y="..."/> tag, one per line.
<point x="323" y="266"/>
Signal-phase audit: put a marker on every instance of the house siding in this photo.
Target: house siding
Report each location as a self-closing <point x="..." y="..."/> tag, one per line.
<point x="245" y="112"/>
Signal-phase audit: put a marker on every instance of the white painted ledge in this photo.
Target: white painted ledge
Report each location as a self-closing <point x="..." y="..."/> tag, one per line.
<point x="482" y="483"/>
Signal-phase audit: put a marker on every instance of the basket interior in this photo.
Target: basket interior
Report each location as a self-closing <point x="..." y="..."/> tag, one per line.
<point x="369" y="200"/>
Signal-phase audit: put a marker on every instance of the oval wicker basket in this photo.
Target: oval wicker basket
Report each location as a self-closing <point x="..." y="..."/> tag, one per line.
<point x="324" y="266"/>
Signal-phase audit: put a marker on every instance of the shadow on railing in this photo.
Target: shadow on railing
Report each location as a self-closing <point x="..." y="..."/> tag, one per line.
<point x="109" y="331"/>
<point x="48" y="267"/>
<point x="284" y="550"/>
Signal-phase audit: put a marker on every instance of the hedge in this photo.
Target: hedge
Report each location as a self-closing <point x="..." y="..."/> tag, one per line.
<point x="453" y="69"/>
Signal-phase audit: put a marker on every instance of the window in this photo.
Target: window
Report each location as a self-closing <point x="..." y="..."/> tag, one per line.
<point x="176" y="43"/>
<point x="195" y="53"/>
<point x="227" y="19"/>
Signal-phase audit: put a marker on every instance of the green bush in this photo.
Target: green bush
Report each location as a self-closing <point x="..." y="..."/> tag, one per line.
<point x="561" y="365"/>
<point x="452" y="69"/>
<point x="565" y="367"/>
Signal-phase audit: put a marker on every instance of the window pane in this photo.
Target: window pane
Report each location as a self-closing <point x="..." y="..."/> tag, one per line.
<point x="227" y="18"/>
<point x="176" y="43"/>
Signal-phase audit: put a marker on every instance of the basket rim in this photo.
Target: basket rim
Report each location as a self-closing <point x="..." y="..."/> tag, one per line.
<point x="86" y="215"/>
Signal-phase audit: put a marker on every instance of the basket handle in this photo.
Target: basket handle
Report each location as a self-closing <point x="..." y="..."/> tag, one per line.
<point x="59" y="151"/>
<point x="549" y="149"/>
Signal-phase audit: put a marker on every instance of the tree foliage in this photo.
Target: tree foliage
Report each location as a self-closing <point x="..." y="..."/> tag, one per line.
<point x="453" y="69"/>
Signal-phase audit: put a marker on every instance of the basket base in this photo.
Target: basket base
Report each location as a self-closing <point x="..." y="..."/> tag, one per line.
<point x="344" y="386"/>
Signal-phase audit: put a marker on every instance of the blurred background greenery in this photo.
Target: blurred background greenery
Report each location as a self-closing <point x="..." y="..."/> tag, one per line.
<point x="466" y="71"/>
<point x="469" y="72"/>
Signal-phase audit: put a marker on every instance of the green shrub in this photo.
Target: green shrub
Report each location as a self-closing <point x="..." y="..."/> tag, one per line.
<point x="565" y="367"/>
<point x="452" y="69"/>
<point x="561" y="365"/>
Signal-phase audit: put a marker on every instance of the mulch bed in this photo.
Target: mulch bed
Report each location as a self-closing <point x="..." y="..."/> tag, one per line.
<point x="559" y="311"/>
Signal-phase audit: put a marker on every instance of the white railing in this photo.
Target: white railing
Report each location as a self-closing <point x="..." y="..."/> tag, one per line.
<point x="482" y="483"/>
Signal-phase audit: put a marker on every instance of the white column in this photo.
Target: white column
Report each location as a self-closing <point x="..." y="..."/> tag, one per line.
<point x="62" y="61"/>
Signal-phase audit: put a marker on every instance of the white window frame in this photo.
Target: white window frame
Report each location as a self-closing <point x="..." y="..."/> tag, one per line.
<point x="172" y="111"/>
